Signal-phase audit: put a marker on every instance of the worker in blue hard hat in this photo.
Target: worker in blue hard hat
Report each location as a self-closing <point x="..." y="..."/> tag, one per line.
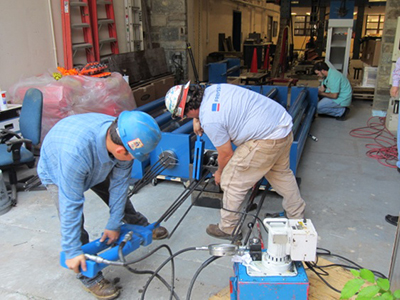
<point x="261" y="129"/>
<point x="95" y="151"/>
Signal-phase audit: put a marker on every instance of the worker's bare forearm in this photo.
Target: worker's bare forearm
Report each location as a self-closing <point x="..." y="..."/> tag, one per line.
<point x="223" y="161"/>
<point x="329" y="95"/>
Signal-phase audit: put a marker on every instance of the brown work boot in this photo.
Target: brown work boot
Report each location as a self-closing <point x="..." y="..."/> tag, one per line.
<point x="103" y="290"/>
<point x="160" y="233"/>
<point x="214" y="231"/>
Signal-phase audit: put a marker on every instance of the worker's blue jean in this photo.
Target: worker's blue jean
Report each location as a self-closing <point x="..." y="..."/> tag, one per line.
<point x="327" y="106"/>
<point x="398" y="145"/>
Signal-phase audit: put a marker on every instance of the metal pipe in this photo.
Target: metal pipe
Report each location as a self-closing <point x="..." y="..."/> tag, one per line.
<point x="185" y="128"/>
<point x="196" y="75"/>
<point x="53" y="38"/>
<point x="299" y="117"/>
<point x="272" y="93"/>
<point x="218" y="62"/>
<point x="164" y="118"/>
<point x="231" y="70"/>
<point x="152" y="105"/>
<point x="294" y="109"/>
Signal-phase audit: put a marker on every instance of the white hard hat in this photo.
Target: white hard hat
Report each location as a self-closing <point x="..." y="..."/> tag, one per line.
<point x="175" y="99"/>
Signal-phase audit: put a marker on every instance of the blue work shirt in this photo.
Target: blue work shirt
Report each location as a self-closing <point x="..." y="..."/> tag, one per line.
<point x="336" y="82"/>
<point x="74" y="157"/>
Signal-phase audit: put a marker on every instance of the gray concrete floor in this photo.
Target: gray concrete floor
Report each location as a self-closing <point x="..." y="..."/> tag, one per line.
<point x="347" y="195"/>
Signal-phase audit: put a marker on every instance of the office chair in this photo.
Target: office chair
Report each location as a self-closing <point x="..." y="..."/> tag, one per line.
<point x="17" y="149"/>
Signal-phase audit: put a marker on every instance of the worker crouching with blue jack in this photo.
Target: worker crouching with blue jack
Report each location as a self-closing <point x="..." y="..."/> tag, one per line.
<point x="262" y="131"/>
<point x="95" y="151"/>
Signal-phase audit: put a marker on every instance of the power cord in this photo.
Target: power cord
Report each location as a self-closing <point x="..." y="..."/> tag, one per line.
<point x="320" y="272"/>
<point x="385" y="149"/>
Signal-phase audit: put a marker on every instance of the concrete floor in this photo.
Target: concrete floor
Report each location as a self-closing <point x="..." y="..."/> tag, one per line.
<point x="347" y="195"/>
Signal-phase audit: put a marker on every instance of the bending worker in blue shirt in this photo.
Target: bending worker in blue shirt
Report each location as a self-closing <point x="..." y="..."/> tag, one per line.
<point x="335" y="92"/>
<point x="95" y="151"/>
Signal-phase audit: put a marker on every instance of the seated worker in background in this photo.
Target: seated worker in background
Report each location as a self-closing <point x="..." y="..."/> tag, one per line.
<point x="95" y="151"/>
<point x="335" y="91"/>
<point x="262" y="131"/>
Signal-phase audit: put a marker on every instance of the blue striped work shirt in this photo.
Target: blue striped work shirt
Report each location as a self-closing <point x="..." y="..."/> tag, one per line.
<point x="75" y="158"/>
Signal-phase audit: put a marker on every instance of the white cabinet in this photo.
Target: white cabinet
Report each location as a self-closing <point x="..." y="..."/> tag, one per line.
<point x="338" y="44"/>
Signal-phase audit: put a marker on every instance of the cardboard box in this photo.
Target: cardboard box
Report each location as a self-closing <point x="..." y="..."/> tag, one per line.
<point x="372" y="52"/>
<point x="144" y="94"/>
<point x="162" y="86"/>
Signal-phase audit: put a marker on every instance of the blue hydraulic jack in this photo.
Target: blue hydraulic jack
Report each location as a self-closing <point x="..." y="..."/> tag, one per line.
<point x="139" y="236"/>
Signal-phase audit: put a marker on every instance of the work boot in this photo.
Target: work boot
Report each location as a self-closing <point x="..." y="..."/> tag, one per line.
<point x="214" y="231"/>
<point x="392" y="219"/>
<point x="343" y="117"/>
<point x="104" y="290"/>
<point x="160" y="233"/>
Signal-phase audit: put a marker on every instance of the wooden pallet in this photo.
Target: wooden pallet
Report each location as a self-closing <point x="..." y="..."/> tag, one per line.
<point x="363" y="93"/>
<point x="338" y="277"/>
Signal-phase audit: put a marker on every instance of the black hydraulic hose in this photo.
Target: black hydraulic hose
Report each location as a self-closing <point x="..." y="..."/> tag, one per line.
<point x="162" y="265"/>
<point x="179" y="201"/>
<point x="204" y="264"/>
<point x="141" y="272"/>
<point x="149" y="254"/>
<point x="260" y="204"/>
<point x="152" y="173"/>
<point x="239" y="225"/>
<point x="188" y="209"/>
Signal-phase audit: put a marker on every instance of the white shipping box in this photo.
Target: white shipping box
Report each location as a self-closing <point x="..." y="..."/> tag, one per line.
<point x="392" y="116"/>
<point x="369" y="76"/>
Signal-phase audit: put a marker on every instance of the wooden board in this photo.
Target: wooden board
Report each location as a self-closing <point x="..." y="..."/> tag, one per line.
<point x="337" y="278"/>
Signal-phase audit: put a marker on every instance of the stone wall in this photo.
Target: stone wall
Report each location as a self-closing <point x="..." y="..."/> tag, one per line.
<point x="381" y="97"/>
<point x="168" y="20"/>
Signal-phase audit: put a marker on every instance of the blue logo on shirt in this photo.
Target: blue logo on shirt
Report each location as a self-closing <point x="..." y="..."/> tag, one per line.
<point x="215" y="107"/>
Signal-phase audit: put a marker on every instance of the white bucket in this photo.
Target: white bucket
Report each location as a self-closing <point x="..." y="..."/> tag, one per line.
<point x="5" y="201"/>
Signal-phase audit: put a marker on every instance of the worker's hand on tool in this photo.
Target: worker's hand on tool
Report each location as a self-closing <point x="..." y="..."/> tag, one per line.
<point x="394" y="91"/>
<point x="197" y="127"/>
<point x="111" y="235"/>
<point x="76" y="262"/>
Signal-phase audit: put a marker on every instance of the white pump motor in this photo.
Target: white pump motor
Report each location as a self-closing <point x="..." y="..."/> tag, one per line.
<point x="289" y="240"/>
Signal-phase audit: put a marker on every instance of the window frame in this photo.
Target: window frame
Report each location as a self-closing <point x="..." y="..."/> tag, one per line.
<point x="379" y="25"/>
<point x="306" y="28"/>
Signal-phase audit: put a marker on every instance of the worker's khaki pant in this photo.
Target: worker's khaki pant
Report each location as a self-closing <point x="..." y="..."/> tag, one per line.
<point x="249" y="163"/>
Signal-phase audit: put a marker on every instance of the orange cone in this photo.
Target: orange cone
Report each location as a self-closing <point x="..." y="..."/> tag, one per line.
<point x="254" y="68"/>
<point x="266" y="59"/>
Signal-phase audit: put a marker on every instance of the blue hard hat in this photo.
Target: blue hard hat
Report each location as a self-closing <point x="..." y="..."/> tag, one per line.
<point x="139" y="133"/>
